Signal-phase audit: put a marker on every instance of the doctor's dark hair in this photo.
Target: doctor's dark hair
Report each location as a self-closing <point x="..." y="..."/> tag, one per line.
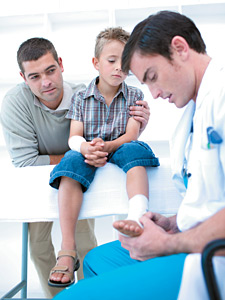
<point x="154" y="35"/>
<point x="33" y="49"/>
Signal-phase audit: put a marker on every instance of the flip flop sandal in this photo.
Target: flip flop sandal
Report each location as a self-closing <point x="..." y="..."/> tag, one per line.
<point x="64" y="269"/>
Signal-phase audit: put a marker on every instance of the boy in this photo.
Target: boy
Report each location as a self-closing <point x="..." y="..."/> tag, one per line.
<point x="100" y="128"/>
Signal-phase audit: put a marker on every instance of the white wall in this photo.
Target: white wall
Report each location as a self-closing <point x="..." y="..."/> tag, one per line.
<point x="73" y="25"/>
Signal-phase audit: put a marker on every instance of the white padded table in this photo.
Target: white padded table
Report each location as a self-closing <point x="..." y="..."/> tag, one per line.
<point x="27" y="197"/>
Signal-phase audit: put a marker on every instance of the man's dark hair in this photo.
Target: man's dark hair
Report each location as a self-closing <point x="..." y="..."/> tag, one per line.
<point x="154" y="35"/>
<point x="33" y="49"/>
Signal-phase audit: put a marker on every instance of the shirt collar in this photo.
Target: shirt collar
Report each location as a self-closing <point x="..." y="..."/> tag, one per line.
<point x="207" y="81"/>
<point x="92" y="90"/>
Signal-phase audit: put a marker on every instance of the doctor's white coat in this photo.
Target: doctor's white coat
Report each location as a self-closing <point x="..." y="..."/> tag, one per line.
<point x="205" y="165"/>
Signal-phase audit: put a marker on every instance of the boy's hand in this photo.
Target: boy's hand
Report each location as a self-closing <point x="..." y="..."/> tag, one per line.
<point x="95" y="156"/>
<point x="141" y="113"/>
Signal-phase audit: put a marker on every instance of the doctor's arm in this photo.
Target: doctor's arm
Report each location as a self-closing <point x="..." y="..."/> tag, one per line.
<point x="156" y="241"/>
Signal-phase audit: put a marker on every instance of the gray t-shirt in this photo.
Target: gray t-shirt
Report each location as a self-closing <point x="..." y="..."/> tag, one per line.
<point x="32" y="131"/>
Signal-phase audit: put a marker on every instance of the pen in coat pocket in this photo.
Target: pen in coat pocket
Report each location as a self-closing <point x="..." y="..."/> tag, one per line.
<point x="213" y="137"/>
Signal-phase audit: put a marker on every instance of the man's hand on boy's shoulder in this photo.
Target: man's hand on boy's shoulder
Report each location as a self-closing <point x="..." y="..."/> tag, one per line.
<point x="141" y="113"/>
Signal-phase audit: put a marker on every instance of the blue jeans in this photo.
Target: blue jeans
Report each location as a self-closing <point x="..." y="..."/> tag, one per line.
<point x="127" y="156"/>
<point x="111" y="274"/>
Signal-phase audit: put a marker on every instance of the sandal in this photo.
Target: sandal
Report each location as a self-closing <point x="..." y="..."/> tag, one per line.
<point x="64" y="269"/>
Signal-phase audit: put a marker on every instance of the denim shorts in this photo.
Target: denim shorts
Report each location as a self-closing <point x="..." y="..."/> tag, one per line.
<point x="127" y="156"/>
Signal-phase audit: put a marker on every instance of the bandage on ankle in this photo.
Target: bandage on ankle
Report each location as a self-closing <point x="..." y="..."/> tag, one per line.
<point x="75" y="142"/>
<point x="138" y="205"/>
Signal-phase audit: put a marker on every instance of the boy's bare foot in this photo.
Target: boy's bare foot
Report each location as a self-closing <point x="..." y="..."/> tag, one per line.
<point x="128" y="227"/>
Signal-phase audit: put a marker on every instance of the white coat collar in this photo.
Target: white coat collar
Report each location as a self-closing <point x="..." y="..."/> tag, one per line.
<point x="177" y="146"/>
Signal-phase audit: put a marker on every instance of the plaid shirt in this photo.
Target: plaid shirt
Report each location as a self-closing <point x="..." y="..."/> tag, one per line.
<point x="89" y="106"/>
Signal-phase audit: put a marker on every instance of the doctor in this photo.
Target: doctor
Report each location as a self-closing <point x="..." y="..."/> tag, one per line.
<point x="166" y="52"/>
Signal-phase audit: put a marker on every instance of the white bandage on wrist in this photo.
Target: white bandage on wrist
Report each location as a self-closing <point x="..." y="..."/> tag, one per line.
<point x="75" y="142"/>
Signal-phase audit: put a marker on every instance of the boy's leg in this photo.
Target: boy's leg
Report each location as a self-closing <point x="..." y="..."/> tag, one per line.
<point x="70" y="198"/>
<point x="43" y="255"/>
<point x="120" y="277"/>
<point x="137" y="190"/>
<point x="132" y="158"/>
<point x="73" y="176"/>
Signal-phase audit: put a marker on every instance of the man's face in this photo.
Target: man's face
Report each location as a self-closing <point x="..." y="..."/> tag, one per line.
<point x="44" y="77"/>
<point x="173" y="80"/>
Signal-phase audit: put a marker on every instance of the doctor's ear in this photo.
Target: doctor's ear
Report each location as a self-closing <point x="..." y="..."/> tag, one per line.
<point x="95" y="62"/>
<point x="180" y="46"/>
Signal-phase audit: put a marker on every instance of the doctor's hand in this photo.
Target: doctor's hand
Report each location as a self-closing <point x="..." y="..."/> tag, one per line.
<point x="153" y="242"/>
<point x="141" y="113"/>
<point x="94" y="153"/>
<point x="168" y="224"/>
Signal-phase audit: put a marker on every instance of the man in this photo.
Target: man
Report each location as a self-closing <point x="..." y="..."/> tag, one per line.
<point x="36" y="133"/>
<point x="166" y="52"/>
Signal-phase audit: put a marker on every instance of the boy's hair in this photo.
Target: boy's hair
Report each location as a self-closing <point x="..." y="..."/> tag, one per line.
<point x="33" y="49"/>
<point x="107" y="35"/>
<point x="154" y="35"/>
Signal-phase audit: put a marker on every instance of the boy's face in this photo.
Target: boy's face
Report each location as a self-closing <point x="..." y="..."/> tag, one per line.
<point x="173" y="80"/>
<point x="109" y="64"/>
<point x="44" y="77"/>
